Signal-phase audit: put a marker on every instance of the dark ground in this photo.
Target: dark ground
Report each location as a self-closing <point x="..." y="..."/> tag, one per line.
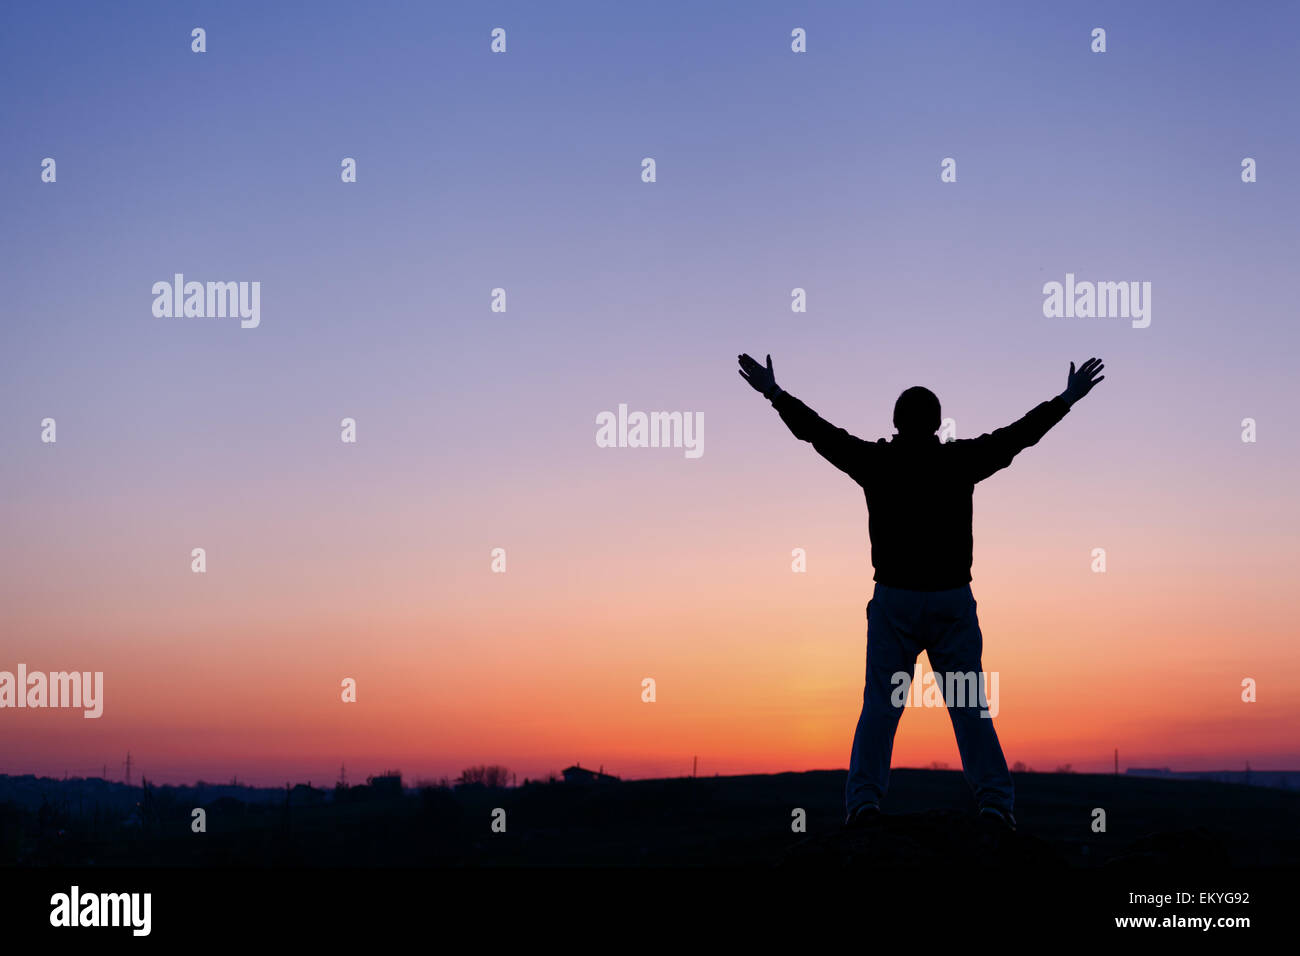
<point x="728" y="821"/>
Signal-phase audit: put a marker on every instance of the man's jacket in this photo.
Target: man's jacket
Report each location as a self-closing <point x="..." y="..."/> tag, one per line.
<point x="919" y="490"/>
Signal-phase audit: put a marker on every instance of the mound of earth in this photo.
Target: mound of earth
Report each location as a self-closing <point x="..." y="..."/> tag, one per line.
<point x="917" y="839"/>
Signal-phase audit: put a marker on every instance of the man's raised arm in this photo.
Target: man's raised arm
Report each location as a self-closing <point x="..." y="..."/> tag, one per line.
<point x="994" y="451"/>
<point x="837" y="446"/>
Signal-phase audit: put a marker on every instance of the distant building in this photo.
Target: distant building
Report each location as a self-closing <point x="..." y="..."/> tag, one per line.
<point x="580" y="774"/>
<point x="387" y="784"/>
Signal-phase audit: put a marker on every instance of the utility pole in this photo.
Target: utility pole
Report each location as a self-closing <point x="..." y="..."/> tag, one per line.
<point x="695" y="767"/>
<point x="128" y="768"/>
<point x="1117" y="761"/>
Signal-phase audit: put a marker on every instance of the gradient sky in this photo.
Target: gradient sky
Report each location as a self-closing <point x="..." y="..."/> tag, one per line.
<point x="476" y="430"/>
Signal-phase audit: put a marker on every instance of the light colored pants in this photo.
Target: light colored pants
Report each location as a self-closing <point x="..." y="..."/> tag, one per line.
<point x="901" y="624"/>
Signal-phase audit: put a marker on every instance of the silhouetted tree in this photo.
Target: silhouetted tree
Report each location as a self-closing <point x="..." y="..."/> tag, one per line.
<point x="492" y="776"/>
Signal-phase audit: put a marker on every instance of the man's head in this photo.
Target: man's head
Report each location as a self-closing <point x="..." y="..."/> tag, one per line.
<point x="916" y="413"/>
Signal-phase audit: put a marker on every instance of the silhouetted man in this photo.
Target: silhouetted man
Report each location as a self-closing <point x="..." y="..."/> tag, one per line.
<point x="919" y="492"/>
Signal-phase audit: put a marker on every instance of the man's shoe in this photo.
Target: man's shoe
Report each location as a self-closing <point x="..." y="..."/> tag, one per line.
<point x="1001" y="818"/>
<point x="864" y="816"/>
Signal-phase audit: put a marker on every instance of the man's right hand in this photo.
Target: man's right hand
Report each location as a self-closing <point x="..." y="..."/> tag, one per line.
<point x="1080" y="383"/>
<point x="762" y="379"/>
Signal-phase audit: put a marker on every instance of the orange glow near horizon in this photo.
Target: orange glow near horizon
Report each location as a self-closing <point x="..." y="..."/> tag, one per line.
<point x="757" y="669"/>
